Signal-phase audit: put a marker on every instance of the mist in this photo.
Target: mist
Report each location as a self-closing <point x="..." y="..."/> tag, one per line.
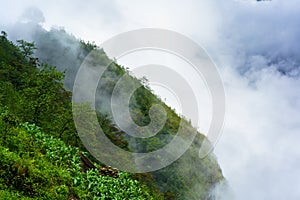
<point x="255" y="46"/>
<point x="258" y="150"/>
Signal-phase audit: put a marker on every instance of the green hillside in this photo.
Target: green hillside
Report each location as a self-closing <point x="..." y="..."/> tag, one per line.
<point x="42" y="156"/>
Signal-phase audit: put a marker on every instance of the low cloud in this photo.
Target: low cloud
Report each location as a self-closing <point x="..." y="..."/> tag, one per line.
<point x="256" y="47"/>
<point x="258" y="150"/>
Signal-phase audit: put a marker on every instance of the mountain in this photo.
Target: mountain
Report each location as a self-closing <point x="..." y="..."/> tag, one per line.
<point x="36" y="93"/>
<point x="41" y="154"/>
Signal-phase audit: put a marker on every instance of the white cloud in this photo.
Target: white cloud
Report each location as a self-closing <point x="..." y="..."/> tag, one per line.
<point x="249" y="41"/>
<point x="258" y="150"/>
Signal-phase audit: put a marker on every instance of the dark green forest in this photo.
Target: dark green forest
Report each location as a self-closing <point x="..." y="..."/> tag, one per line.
<point x="41" y="154"/>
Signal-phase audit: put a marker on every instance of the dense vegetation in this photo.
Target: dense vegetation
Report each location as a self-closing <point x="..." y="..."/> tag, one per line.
<point x="36" y="107"/>
<point x="36" y="165"/>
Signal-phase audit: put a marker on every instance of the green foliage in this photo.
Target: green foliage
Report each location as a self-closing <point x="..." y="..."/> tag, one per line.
<point x="34" y="92"/>
<point x="27" y="48"/>
<point x="36" y="165"/>
<point x="45" y="161"/>
<point x="9" y="52"/>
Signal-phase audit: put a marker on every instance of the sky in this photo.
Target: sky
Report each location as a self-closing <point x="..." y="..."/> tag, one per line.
<point x="255" y="46"/>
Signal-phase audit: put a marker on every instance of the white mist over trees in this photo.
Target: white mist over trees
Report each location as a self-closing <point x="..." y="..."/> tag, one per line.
<point x="255" y="45"/>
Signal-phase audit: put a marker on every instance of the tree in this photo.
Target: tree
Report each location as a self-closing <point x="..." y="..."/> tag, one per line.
<point x="3" y="35"/>
<point x="27" y="48"/>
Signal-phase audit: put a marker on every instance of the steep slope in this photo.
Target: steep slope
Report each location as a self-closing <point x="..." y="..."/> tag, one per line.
<point x="36" y="162"/>
<point x="187" y="178"/>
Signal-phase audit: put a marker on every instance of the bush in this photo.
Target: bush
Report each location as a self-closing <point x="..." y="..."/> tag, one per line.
<point x="35" y="165"/>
